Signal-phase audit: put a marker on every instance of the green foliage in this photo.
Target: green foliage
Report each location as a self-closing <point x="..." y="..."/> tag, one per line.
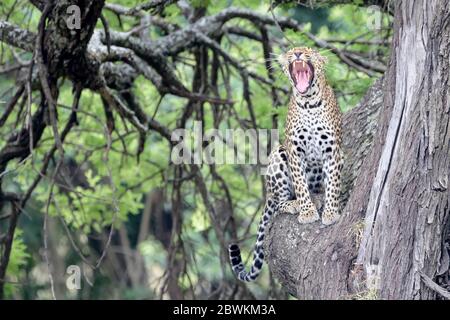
<point x="199" y="219"/>
<point x="18" y="260"/>
<point x="200" y="3"/>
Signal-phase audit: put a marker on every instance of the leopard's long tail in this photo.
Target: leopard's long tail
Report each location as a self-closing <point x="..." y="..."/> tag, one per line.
<point x="258" y="253"/>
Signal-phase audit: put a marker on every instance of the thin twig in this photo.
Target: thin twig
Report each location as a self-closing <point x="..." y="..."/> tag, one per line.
<point x="47" y="259"/>
<point x="43" y="75"/>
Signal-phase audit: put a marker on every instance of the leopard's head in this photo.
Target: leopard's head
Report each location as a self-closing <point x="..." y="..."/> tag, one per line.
<point x="304" y="67"/>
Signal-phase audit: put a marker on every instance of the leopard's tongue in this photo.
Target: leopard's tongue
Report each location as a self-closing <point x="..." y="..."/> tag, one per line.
<point x="302" y="80"/>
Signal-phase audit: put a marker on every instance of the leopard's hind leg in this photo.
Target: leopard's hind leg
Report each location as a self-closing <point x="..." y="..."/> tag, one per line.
<point x="279" y="190"/>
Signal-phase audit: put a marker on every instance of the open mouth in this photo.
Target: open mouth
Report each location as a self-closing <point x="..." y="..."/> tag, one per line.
<point x="302" y="73"/>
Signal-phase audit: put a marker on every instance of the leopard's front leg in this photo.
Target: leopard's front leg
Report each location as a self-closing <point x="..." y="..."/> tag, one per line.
<point x="332" y="169"/>
<point x="307" y="212"/>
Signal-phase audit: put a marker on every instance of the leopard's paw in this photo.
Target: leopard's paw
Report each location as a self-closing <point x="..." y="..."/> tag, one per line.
<point x="309" y="215"/>
<point x="330" y="217"/>
<point x="289" y="207"/>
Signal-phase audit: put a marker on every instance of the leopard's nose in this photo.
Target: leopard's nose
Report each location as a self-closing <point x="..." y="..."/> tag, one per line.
<point x="298" y="55"/>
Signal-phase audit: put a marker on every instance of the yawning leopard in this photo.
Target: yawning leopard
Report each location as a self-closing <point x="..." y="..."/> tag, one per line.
<point x="309" y="162"/>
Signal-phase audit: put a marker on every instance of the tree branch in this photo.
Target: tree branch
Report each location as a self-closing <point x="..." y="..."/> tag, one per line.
<point x="17" y="37"/>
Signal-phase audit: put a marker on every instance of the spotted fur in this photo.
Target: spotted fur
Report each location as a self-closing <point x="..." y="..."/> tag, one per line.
<point x="308" y="164"/>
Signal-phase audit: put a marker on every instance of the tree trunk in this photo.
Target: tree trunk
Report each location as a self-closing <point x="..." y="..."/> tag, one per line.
<point x="408" y="210"/>
<point x="401" y="185"/>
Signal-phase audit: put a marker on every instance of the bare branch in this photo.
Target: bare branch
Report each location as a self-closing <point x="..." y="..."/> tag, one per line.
<point x="385" y="4"/>
<point x="13" y="218"/>
<point x="11" y="104"/>
<point x="434" y="286"/>
<point x="154" y="6"/>
<point x="17" y="37"/>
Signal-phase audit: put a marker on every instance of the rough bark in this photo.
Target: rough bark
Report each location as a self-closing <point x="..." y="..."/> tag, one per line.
<point x="408" y="212"/>
<point x="401" y="186"/>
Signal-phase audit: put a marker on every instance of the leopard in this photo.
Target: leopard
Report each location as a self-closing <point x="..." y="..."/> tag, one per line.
<point x="303" y="175"/>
